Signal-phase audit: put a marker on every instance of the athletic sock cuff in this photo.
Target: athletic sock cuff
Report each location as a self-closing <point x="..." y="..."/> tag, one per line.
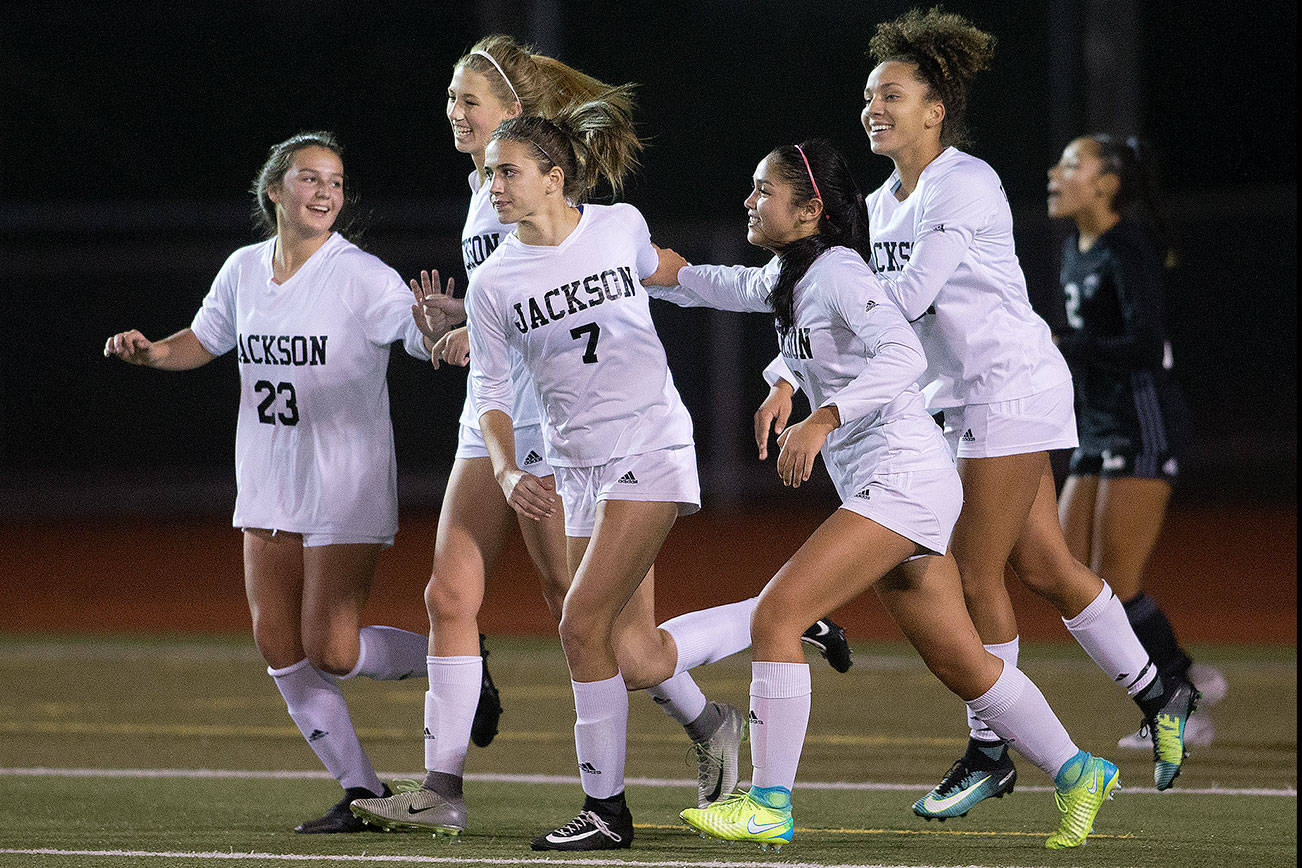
<point x="1006" y="651"/>
<point x="454" y="670"/>
<point x="597" y="700"/>
<point x="1094" y="610"/>
<point x="290" y="669"/>
<point x="1002" y="695"/>
<point x="779" y="680"/>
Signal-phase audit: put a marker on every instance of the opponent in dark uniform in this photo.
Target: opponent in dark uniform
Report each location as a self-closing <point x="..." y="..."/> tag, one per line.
<point x="1133" y="422"/>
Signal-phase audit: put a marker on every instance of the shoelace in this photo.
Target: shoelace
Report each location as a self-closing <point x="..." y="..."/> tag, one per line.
<point x="734" y="805"/>
<point x="952" y="781"/>
<point x="573" y="826"/>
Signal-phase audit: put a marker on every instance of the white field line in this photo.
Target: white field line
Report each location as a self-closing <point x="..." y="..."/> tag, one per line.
<point x="248" y="774"/>
<point x="450" y="860"/>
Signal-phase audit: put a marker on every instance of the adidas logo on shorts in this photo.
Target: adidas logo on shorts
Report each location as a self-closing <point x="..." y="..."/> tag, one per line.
<point x="967" y="436"/>
<point x="589" y="768"/>
<point x="532" y="458"/>
<point x="628" y="479"/>
<point x="317" y="735"/>
<point x="865" y="494"/>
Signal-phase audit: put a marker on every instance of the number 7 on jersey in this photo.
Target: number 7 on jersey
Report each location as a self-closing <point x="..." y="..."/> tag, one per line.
<point x="593" y="331"/>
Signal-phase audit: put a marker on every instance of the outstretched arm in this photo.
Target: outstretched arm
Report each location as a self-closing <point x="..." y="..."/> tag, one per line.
<point x="179" y="352"/>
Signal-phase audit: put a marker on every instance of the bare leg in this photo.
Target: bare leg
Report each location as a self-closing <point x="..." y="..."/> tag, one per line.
<point x="613" y="563"/>
<point x="337" y="581"/>
<point x="1128" y="519"/>
<point x="997" y="497"/>
<point x="1042" y="560"/>
<point x="273" y="583"/>
<point x="1076" y="514"/>
<point x="473" y="523"/>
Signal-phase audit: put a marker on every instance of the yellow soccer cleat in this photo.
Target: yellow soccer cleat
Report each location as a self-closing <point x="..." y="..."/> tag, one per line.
<point x="1080" y="804"/>
<point x="743" y="817"/>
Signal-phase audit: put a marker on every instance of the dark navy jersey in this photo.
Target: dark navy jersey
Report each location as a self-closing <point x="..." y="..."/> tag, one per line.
<point x="1115" y="341"/>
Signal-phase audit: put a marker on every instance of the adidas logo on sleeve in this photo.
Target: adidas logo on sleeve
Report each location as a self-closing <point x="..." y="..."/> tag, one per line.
<point x="628" y="479"/>
<point x="967" y="436"/>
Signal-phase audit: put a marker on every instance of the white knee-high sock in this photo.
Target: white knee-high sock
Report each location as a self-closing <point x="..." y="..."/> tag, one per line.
<point x="389" y="654"/>
<point x="779" y="716"/>
<point x="679" y="697"/>
<point x="710" y="634"/>
<point x="600" y="735"/>
<point x="450" y="703"/>
<point x="1104" y="631"/>
<point x="1007" y="652"/>
<point x="1018" y="712"/>
<point x="317" y="706"/>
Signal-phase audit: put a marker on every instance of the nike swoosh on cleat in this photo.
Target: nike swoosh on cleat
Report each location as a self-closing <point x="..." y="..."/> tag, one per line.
<point x="755" y="828"/>
<point x="714" y="794"/>
<point x="1094" y="784"/>
<point x="822" y="629"/>
<point x="411" y="809"/>
<point x="941" y="804"/>
<point x="555" y="840"/>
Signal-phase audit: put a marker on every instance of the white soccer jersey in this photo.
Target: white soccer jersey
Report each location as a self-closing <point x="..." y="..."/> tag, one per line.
<point x="578" y="315"/>
<point x="946" y="257"/>
<point x="849" y="346"/>
<point x="314" y="445"/>
<point x="479" y="238"/>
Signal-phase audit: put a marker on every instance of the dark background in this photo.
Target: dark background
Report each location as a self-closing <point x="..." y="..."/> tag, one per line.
<point x="129" y="139"/>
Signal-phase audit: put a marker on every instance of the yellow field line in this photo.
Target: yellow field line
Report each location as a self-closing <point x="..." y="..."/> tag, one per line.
<point x="210" y="730"/>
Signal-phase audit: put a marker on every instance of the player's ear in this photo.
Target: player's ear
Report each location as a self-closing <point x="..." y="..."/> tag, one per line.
<point x="555" y="179"/>
<point x="1107" y="185"/>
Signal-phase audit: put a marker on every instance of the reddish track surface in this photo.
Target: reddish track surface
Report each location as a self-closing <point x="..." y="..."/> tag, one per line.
<point x="1221" y="574"/>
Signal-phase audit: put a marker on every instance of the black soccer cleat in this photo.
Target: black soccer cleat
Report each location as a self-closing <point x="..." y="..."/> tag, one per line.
<point x="590" y="830"/>
<point x="829" y="638"/>
<point x="489" y="709"/>
<point x="339" y="818"/>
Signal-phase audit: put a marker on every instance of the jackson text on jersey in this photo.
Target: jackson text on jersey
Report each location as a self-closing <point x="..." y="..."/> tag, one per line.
<point x="796" y="344"/>
<point x="609" y="285"/>
<point x="475" y="250"/>
<point x="295" y="350"/>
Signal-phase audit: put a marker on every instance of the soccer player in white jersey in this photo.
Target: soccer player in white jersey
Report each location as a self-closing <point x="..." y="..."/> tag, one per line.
<point x="563" y="293"/>
<point x="496" y="80"/>
<point x="943" y="247"/>
<point x="854" y="352"/>
<point x="311" y="318"/>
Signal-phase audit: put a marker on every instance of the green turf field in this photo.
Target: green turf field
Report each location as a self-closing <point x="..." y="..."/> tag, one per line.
<point x="178" y="752"/>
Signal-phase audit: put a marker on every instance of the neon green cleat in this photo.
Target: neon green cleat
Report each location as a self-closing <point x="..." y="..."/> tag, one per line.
<point x="1080" y="804"/>
<point x="741" y="817"/>
<point x="1167" y="730"/>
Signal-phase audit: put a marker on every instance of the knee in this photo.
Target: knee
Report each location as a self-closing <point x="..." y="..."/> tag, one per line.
<point x="448" y="600"/>
<point x="771" y="622"/>
<point x="582" y="631"/>
<point x="643" y="659"/>
<point x="968" y="674"/>
<point x="1051" y="573"/>
<point x="332" y="653"/>
<point x="277" y="643"/>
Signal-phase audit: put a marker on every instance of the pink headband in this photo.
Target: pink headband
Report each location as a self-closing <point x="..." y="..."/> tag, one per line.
<point x="812" y="182"/>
